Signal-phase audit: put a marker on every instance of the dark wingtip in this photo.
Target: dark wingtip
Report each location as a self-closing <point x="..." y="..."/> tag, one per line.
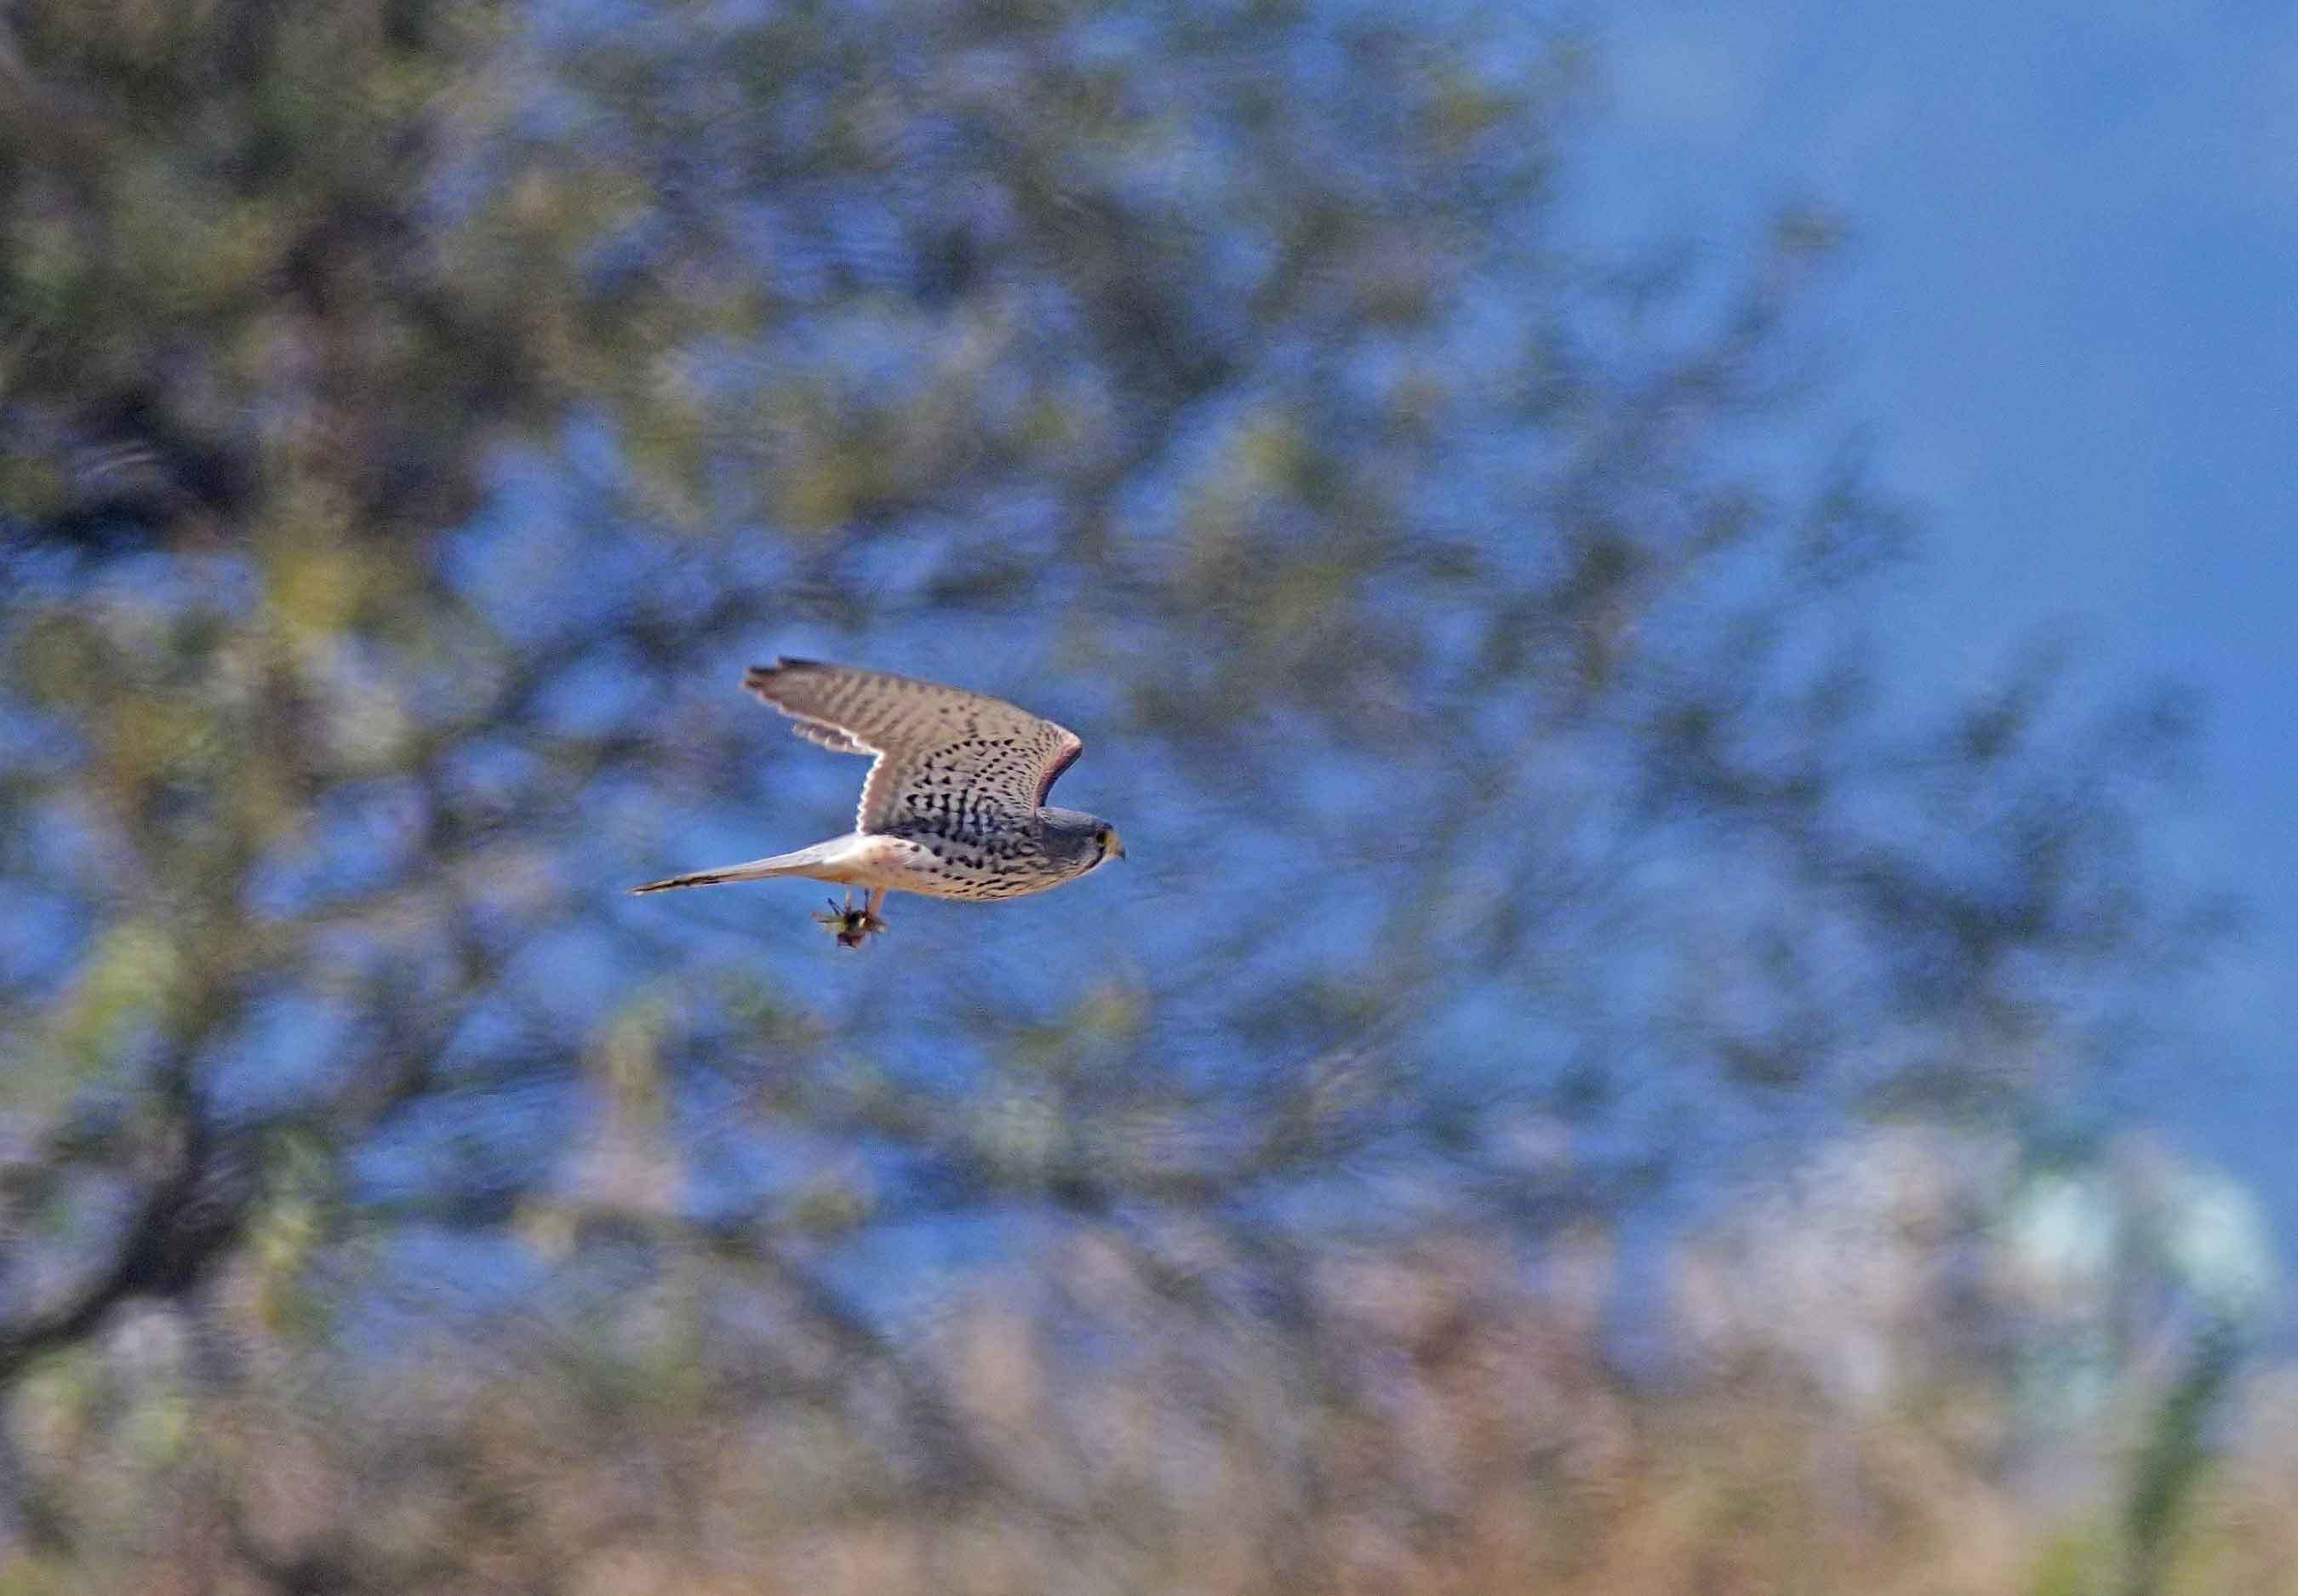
<point x="666" y="883"/>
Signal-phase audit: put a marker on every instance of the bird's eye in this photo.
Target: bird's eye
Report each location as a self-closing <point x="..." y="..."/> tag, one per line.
<point x="1102" y="837"/>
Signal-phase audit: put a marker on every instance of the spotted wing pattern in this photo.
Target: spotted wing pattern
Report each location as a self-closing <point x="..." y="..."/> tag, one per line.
<point x="949" y="762"/>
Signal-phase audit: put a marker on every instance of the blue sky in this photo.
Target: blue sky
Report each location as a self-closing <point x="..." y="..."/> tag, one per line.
<point x="2071" y="315"/>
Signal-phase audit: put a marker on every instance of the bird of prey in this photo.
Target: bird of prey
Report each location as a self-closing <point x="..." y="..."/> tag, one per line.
<point x="954" y="806"/>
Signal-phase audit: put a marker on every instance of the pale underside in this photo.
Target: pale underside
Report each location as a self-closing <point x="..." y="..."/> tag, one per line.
<point x="899" y="864"/>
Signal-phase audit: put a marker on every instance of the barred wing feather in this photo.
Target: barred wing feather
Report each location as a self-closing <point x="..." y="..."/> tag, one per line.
<point x="947" y="760"/>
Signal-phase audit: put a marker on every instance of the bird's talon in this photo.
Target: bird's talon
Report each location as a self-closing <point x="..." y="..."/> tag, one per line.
<point x="852" y="924"/>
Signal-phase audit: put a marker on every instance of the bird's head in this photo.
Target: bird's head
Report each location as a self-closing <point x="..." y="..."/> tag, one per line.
<point x="1078" y="841"/>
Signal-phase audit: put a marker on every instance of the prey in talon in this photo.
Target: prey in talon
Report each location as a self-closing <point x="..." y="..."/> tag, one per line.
<point x="954" y="806"/>
<point x="853" y="926"/>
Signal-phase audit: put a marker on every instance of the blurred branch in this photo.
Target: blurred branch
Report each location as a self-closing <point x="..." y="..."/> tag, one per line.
<point x="196" y="1192"/>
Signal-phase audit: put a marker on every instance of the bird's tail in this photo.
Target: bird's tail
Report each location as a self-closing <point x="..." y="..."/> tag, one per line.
<point x="806" y="862"/>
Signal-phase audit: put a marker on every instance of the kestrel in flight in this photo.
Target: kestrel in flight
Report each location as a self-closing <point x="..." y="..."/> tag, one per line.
<point x="954" y="804"/>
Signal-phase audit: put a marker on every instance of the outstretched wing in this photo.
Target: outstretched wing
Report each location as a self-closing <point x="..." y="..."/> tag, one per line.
<point x="948" y="761"/>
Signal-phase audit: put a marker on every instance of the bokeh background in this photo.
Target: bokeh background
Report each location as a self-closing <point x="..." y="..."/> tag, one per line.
<point x="1668" y="1026"/>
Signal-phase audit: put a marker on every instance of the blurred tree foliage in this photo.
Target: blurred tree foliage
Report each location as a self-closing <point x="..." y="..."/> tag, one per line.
<point x="412" y="417"/>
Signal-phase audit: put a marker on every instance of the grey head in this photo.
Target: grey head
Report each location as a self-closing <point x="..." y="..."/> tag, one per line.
<point x="1076" y="841"/>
